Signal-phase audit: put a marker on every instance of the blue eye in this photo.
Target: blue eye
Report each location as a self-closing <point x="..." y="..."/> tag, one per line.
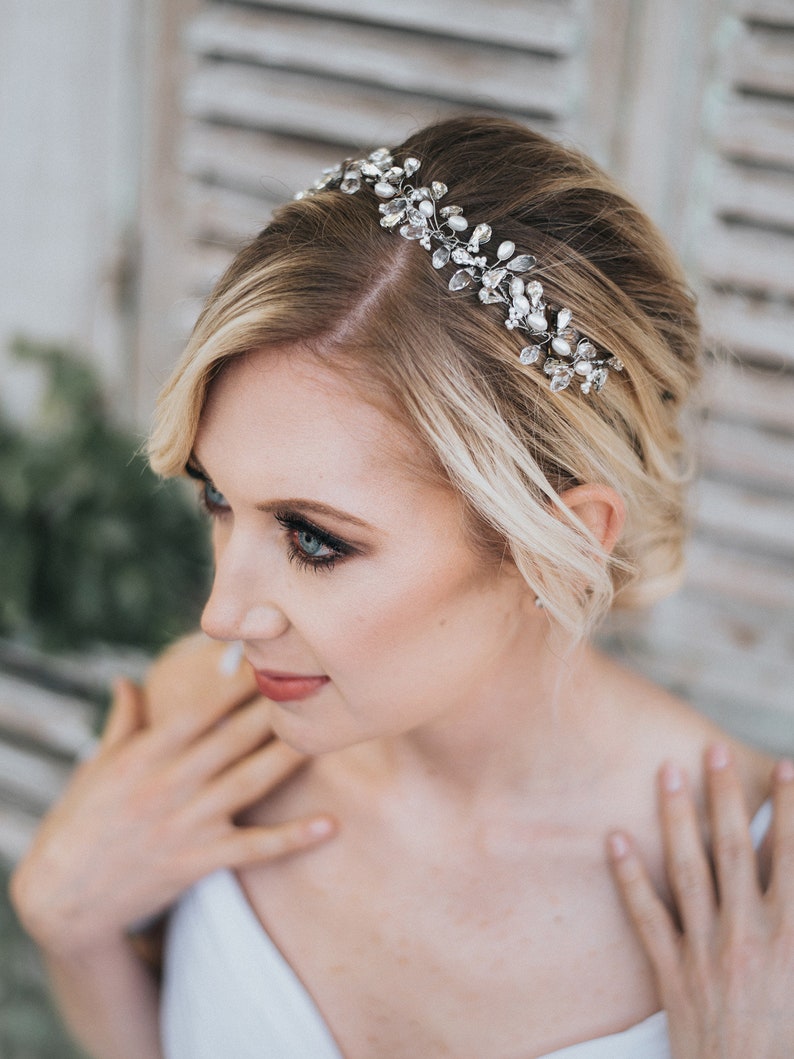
<point x="214" y="498"/>
<point x="311" y="545"/>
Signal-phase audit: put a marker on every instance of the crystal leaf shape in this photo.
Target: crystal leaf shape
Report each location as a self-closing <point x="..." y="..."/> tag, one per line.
<point x="530" y="354"/>
<point x="460" y="280"/>
<point x="560" y="381"/>
<point x="412" y="231"/>
<point x="563" y="318"/>
<point x="439" y="190"/>
<point x="522" y="263"/>
<point x="461" y="256"/>
<point x="441" y="257"/>
<point x="481" y="234"/>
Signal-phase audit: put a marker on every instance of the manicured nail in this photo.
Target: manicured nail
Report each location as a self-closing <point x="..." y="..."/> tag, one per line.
<point x="618" y="845"/>
<point x="321" y="827"/>
<point x="718" y="756"/>
<point x="784" y="771"/>
<point x="672" y="777"/>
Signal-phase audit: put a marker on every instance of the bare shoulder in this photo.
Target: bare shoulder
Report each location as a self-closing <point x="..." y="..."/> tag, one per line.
<point x="197" y="674"/>
<point x="660" y="726"/>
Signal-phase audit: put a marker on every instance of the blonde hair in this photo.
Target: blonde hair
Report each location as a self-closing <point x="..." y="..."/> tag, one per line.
<point x="325" y="277"/>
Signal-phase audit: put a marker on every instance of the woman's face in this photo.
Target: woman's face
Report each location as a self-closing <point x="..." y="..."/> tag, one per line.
<point x="347" y="575"/>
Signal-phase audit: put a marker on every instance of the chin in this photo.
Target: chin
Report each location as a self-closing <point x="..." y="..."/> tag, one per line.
<point x="305" y="736"/>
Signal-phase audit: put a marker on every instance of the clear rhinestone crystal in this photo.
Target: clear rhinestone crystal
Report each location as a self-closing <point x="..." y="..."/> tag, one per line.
<point x="494" y="277"/>
<point x="381" y="157"/>
<point x="441" y="257"/>
<point x="438" y="189"/>
<point x="417" y="217"/>
<point x="563" y="318"/>
<point x="489" y="296"/>
<point x="457" y="222"/>
<point x="534" y="291"/>
<point x="529" y="354"/>
<point x="481" y="234"/>
<point x="389" y="220"/>
<point x="551" y="364"/>
<point x="615" y="364"/>
<point x="412" y="231"/>
<point x="598" y="378"/>
<point x="461" y="256"/>
<point x="505" y="250"/>
<point x="450" y="211"/>
<point x="460" y="280"/>
<point x="586" y="349"/>
<point x="411" y="165"/>
<point x="351" y="182"/>
<point x="561" y="380"/>
<point x="369" y="170"/>
<point x="522" y="263"/>
<point x="384" y="190"/>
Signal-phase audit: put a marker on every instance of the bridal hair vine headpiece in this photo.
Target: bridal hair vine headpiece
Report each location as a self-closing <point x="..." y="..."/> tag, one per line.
<point x="556" y="346"/>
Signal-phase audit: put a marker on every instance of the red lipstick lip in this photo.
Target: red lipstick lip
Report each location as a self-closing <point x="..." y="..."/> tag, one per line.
<point x="287" y="687"/>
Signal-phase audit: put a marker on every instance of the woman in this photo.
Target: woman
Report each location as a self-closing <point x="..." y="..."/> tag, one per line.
<point x="433" y="411"/>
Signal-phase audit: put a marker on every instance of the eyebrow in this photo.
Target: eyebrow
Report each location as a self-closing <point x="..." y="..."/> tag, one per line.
<point x="194" y="468"/>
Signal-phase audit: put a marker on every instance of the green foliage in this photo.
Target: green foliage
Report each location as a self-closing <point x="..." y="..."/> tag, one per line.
<point x="93" y="546"/>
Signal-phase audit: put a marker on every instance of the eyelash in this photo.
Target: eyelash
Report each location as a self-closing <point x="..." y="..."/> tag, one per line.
<point x="291" y="522"/>
<point x="294" y="524"/>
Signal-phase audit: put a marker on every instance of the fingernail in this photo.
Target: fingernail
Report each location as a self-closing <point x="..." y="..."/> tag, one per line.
<point x="784" y="771"/>
<point x="672" y="778"/>
<point x="718" y="756"/>
<point x="618" y="845"/>
<point x="320" y="828"/>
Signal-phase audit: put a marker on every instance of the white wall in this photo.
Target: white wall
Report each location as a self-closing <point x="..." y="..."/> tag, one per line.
<point x="69" y="150"/>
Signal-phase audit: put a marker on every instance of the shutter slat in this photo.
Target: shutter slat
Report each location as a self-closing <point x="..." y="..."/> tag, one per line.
<point x="750" y="395"/>
<point x="749" y="453"/>
<point x="761" y="580"/>
<point x="749" y="258"/>
<point x="226" y="217"/>
<point x="764" y="62"/>
<point x="250" y="160"/>
<point x="469" y="72"/>
<point x="548" y="25"/>
<point x="757" y="130"/>
<point x="771" y="12"/>
<point x="308" y="107"/>
<point x="757" y="327"/>
<point x="745" y="516"/>
<point x="765" y="196"/>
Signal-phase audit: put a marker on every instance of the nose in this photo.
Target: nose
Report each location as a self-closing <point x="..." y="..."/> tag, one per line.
<point x="239" y="606"/>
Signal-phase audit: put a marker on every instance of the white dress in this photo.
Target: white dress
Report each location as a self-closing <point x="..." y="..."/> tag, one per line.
<point x="228" y="992"/>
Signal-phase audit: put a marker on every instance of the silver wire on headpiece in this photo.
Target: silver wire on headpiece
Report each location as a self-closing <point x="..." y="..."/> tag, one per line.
<point x="556" y="346"/>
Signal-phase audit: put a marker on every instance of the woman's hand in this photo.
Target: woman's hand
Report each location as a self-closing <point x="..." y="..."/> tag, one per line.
<point x="152" y="812"/>
<point x="726" y="975"/>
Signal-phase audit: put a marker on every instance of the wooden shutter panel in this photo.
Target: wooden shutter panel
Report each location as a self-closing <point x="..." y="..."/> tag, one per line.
<point x="727" y="641"/>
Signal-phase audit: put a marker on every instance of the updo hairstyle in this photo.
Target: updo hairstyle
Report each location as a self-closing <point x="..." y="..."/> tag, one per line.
<point x="325" y="278"/>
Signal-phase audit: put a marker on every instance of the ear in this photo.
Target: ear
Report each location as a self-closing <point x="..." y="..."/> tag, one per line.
<point x="601" y="510"/>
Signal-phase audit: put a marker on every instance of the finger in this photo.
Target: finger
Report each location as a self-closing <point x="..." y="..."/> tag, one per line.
<point x="249" y="845"/>
<point x="251" y="779"/>
<point x="688" y="868"/>
<point x="782" y="878"/>
<point x="231" y="740"/>
<point x="125" y="716"/>
<point x="651" y="920"/>
<point x="195" y="677"/>
<point x="732" y="847"/>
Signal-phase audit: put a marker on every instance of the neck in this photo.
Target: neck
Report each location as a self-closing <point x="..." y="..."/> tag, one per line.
<point x="533" y="732"/>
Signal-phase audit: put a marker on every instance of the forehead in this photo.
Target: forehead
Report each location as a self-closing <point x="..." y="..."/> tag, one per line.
<point x="284" y="414"/>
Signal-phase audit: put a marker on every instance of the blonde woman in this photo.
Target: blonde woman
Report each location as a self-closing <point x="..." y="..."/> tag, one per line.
<point x="433" y="412"/>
